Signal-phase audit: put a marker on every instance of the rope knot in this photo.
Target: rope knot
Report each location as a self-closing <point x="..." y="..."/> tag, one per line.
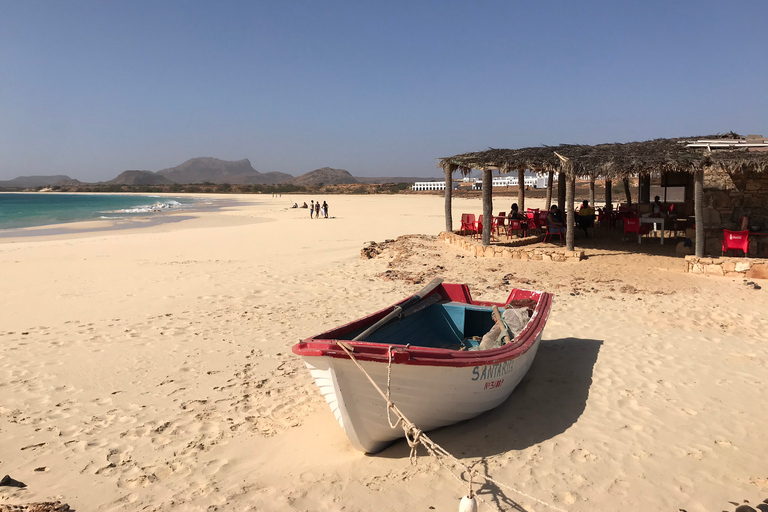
<point x="413" y="437"/>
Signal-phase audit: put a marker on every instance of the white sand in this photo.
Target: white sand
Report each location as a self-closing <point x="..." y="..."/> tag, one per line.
<point x="150" y="369"/>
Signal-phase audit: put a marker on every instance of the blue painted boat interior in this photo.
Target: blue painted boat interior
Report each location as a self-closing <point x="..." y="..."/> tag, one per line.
<point x="444" y="325"/>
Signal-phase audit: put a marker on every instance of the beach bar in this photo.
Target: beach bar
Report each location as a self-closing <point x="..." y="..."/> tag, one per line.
<point x="724" y="179"/>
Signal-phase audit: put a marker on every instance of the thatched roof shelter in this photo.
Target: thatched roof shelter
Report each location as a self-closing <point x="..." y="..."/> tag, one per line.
<point x="730" y="151"/>
<point x="616" y="160"/>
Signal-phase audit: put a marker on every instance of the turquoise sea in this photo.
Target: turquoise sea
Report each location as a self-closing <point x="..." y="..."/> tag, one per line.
<point x="19" y="210"/>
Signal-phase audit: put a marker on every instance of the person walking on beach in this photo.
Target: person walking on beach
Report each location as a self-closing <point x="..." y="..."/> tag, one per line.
<point x="311" y="208"/>
<point x="325" y="209"/>
<point x="317" y="210"/>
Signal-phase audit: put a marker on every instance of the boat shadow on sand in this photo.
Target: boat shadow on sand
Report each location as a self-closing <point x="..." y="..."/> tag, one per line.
<point x="549" y="399"/>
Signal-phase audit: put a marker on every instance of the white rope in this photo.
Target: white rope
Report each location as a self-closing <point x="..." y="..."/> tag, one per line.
<point x="414" y="436"/>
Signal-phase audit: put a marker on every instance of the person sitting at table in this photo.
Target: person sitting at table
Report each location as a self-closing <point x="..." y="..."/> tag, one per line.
<point x="555" y="220"/>
<point x="515" y="214"/>
<point x="586" y="217"/>
<point x="658" y="208"/>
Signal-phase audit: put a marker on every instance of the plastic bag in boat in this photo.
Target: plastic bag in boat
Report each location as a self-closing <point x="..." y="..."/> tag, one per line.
<point x="514" y="318"/>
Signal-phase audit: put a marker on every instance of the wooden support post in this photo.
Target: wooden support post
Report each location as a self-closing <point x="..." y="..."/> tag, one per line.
<point x="521" y="190"/>
<point x="448" y="170"/>
<point x="561" y="179"/>
<point x="608" y="195"/>
<point x="550" y="178"/>
<point x="644" y="194"/>
<point x="569" y="210"/>
<point x="698" y="210"/>
<point x="487" y="205"/>
<point x="592" y="191"/>
<point x="627" y="192"/>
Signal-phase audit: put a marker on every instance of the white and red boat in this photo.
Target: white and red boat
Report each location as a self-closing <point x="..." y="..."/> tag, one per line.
<point x="434" y="380"/>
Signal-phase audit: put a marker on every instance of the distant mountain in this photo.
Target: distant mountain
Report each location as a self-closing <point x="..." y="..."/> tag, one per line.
<point x="324" y="176"/>
<point x="139" y="178"/>
<point x="265" y="178"/>
<point x="213" y="170"/>
<point x="38" y="181"/>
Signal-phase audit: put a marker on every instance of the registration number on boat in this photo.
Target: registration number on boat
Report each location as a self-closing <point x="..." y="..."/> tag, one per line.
<point x="493" y="384"/>
<point x="492" y="371"/>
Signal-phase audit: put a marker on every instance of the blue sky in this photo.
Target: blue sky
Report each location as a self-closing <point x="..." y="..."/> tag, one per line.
<point x="90" y="89"/>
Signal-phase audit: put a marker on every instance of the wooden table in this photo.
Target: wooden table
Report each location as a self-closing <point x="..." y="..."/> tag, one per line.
<point x="654" y="221"/>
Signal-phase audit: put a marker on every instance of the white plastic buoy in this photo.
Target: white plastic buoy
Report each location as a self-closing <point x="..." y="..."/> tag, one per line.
<point x="468" y="504"/>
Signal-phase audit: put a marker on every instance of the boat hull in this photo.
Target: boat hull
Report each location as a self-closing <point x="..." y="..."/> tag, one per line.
<point x="429" y="396"/>
<point x="431" y="385"/>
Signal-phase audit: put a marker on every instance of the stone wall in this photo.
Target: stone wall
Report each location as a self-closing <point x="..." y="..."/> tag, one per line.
<point x="730" y="267"/>
<point x="518" y="249"/>
<point x="729" y="196"/>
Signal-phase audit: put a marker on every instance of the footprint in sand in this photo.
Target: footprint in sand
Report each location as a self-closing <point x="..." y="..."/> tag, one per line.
<point x="580" y="455"/>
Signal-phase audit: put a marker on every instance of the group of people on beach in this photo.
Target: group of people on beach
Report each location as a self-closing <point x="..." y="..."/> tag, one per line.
<point x="585" y="217"/>
<point x="316" y="210"/>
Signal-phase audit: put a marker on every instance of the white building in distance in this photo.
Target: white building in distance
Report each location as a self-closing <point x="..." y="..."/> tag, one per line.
<point x="432" y="185"/>
<point x="530" y="180"/>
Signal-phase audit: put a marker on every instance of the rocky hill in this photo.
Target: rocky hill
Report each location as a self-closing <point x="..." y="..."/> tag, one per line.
<point x="38" y="181"/>
<point x="139" y="178"/>
<point x="265" y="178"/>
<point x="213" y="170"/>
<point x="324" y="176"/>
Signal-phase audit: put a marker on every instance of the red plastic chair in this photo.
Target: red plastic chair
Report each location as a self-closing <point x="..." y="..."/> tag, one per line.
<point x="500" y="222"/>
<point x="478" y="232"/>
<point x="479" y="227"/>
<point x="554" y="230"/>
<point x="467" y="223"/>
<point x="532" y="220"/>
<point x="539" y="222"/>
<point x="494" y="225"/>
<point x="515" y="225"/>
<point x="736" y="240"/>
<point x="632" y="225"/>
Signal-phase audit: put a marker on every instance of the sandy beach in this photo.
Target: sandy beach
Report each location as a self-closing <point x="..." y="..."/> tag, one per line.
<point x="150" y="368"/>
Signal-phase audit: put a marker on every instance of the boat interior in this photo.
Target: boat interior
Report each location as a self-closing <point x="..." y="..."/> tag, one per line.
<point x="450" y="325"/>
